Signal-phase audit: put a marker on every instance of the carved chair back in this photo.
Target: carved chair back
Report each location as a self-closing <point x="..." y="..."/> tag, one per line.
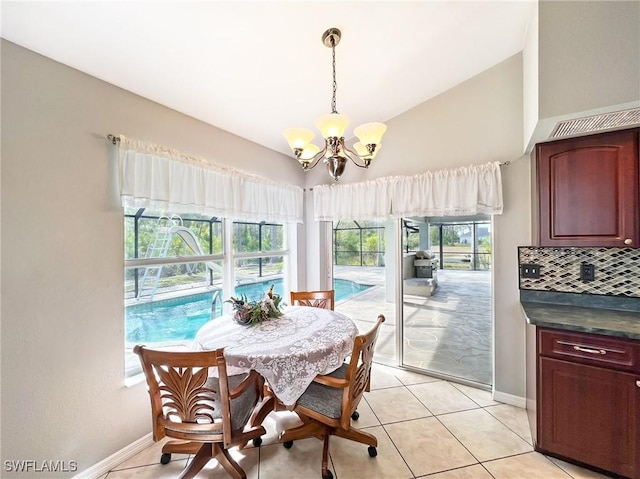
<point x="316" y="299"/>
<point x="185" y="402"/>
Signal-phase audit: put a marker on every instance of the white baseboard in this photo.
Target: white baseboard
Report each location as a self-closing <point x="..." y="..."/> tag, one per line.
<point x="516" y="401"/>
<point x="104" y="466"/>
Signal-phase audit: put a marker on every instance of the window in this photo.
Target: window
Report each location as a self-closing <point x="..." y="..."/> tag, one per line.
<point x="259" y="261"/>
<point x="175" y="277"/>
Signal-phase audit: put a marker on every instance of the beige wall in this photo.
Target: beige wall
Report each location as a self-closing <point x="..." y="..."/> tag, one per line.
<point x="589" y="55"/>
<point x="62" y="254"/>
<point x="530" y="94"/>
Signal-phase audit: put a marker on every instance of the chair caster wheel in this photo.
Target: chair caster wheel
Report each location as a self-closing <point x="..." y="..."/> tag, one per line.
<point x="287" y="444"/>
<point x="328" y="475"/>
<point x="355" y="416"/>
<point x="373" y="452"/>
<point x="257" y="442"/>
<point x="165" y="458"/>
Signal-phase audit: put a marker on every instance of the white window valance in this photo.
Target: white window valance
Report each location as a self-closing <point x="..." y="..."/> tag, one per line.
<point x="160" y="178"/>
<point x="455" y="192"/>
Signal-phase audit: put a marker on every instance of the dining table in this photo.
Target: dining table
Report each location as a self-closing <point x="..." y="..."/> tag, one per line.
<point x="288" y="351"/>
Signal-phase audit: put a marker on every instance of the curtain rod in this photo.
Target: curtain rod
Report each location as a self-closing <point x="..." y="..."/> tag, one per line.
<point x="115" y="139"/>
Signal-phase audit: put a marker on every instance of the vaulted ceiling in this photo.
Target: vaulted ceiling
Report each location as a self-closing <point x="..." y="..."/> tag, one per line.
<point x="256" y="68"/>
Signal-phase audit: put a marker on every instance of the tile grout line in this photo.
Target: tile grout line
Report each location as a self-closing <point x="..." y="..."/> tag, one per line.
<point x="486" y="408"/>
<point x="390" y="438"/>
<point x="450" y="432"/>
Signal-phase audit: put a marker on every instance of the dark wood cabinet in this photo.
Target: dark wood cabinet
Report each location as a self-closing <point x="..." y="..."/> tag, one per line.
<point x="588" y="190"/>
<point x="588" y="400"/>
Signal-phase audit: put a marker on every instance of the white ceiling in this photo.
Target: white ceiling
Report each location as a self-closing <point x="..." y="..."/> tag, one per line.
<point x="256" y="68"/>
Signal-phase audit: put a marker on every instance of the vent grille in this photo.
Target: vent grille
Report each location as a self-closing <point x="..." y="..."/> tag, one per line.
<point x="596" y="123"/>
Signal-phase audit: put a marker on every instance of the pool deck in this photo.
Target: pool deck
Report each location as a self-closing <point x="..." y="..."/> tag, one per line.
<point x="449" y="333"/>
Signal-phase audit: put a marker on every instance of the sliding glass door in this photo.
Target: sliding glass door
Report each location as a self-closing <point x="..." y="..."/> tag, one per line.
<point x="447" y="326"/>
<point x="432" y="273"/>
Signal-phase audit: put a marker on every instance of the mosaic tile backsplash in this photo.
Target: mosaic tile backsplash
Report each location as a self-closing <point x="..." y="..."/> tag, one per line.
<point x="617" y="270"/>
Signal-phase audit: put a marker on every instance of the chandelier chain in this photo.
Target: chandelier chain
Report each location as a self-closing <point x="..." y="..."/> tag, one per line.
<point x="335" y="83"/>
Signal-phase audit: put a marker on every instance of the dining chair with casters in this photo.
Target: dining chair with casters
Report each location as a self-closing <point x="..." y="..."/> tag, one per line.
<point x="207" y="415"/>
<point x="317" y="299"/>
<point x="326" y="407"/>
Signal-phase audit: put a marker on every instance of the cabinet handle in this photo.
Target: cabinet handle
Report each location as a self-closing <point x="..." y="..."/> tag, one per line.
<point x="596" y="350"/>
<point x="628" y="241"/>
<point x="589" y="350"/>
<point x="638" y="383"/>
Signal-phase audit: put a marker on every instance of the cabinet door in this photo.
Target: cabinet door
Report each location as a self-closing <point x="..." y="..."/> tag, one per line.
<point x="590" y="414"/>
<point x="588" y="191"/>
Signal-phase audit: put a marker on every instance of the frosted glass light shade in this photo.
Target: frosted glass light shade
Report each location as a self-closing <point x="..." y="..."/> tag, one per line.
<point x="309" y="151"/>
<point x="363" y="152"/>
<point x="332" y="124"/>
<point x="298" y="137"/>
<point x="370" y="133"/>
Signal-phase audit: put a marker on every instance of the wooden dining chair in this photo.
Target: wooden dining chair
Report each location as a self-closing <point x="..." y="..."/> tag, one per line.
<point x="317" y="299"/>
<point x="327" y="405"/>
<point x="207" y="414"/>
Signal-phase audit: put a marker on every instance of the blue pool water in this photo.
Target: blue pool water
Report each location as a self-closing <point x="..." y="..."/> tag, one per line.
<point x="181" y="318"/>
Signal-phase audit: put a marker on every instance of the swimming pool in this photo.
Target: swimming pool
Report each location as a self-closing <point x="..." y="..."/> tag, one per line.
<point x="179" y="319"/>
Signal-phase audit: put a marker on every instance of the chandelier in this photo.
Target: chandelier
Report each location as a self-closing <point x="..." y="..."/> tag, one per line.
<point x="332" y="127"/>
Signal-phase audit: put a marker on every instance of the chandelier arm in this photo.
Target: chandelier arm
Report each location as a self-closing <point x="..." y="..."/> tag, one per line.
<point x="315" y="159"/>
<point x="352" y="155"/>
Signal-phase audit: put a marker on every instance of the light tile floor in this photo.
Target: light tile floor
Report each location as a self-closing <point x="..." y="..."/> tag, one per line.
<point x="426" y="427"/>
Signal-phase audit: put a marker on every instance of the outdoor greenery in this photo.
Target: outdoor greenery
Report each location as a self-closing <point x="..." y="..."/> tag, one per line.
<point x="356" y="243"/>
<point x="148" y="227"/>
<point x="252" y="237"/>
<point x="359" y="243"/>
<point x="457" y="248"/>
<point x="208" y="231"/>
<point x="450" y="234"/>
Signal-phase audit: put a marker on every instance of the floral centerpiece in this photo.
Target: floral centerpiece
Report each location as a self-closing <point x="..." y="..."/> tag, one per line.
<point x="253" y="312"/>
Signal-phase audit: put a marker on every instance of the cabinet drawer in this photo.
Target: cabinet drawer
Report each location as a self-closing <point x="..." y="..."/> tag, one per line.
<point x="590" y="349"/>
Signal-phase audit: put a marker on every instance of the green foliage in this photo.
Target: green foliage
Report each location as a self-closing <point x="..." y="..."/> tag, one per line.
<point x="484" y="244"/>
<point x="450" y="234"/>
<point x="253" y="237"/>
<point x="359" y="243"/>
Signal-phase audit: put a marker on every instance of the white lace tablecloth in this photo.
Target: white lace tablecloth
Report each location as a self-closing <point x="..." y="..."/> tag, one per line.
<point x="288" y="351"/>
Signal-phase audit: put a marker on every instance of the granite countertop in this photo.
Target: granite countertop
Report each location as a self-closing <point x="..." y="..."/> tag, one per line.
<point x="610" y="316"/>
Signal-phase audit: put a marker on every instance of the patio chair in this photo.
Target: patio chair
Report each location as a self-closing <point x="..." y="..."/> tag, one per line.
<point x="326" y="406"/>
<point x="317" y="299"/>
<point x="207" y="414"/>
